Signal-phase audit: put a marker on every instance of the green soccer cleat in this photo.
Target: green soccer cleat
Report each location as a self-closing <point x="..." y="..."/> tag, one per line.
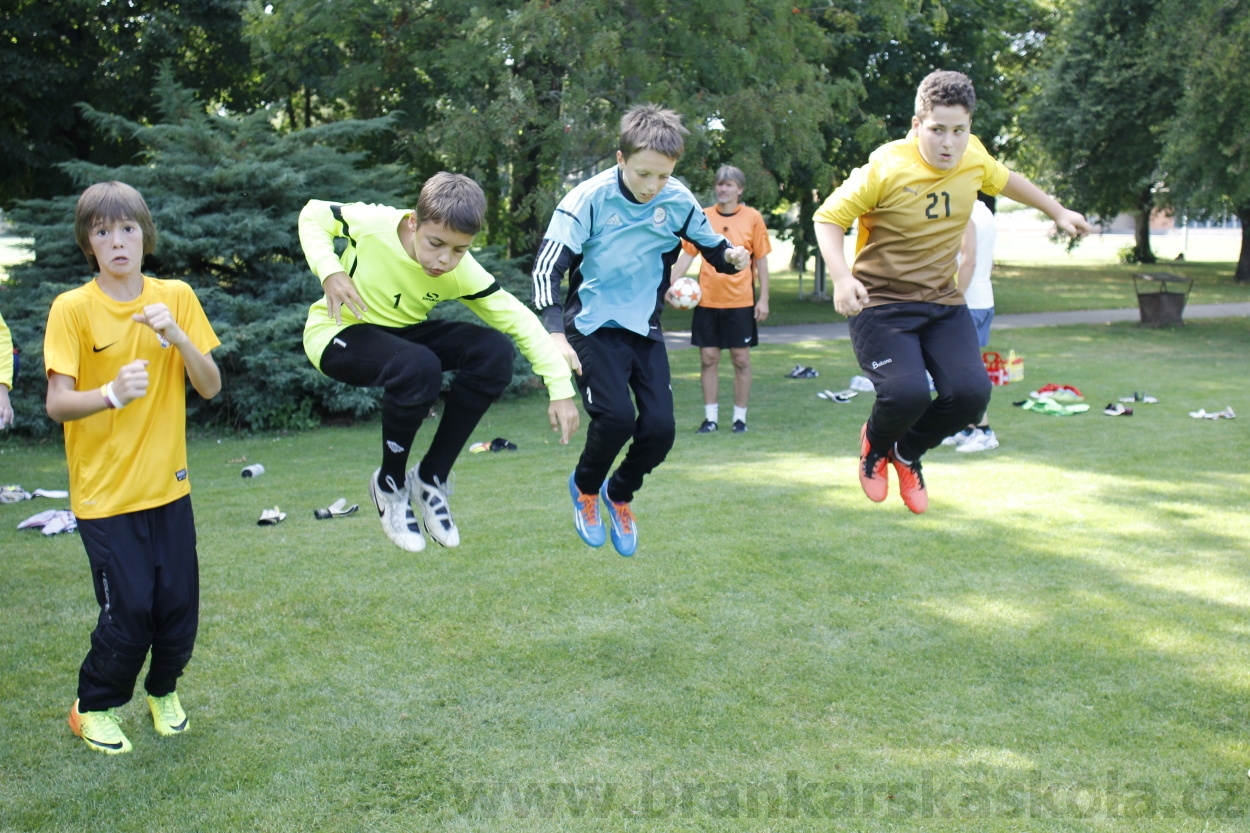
<point x="167" y="715"/>
<point x="100" y="730"/>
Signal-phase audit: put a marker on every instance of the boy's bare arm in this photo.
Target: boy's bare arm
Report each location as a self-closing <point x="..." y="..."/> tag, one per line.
<point x="682" y="265"/>
<point x="66" y="404"/>
<point x="201" y="369"/>
<point x="1070" y="222"/>
<point x="567" y="352"/>
<point x="849" y="295"/>
<point x="967" y="256"/>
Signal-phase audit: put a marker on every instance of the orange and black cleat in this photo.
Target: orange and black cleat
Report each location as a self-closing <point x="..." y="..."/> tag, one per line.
<point x="874" y="473"/>
<point x="911" y="484"/>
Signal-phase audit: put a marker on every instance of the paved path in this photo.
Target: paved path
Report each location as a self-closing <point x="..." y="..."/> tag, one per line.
<point x="677" y="339"/>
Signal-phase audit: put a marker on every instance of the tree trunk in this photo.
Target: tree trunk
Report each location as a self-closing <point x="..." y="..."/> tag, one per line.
<point x="495" y="231"/>
<point x="1141" y="246"/>
<point x="801" y="235"/>
<point x="1242" y="275"/>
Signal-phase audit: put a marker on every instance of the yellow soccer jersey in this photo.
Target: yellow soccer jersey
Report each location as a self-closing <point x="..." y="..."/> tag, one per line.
<point x="911" y="219"/>
<point x="6" y="355"/>
<point x="397" y="291"/>
<point x="135" y="458"/>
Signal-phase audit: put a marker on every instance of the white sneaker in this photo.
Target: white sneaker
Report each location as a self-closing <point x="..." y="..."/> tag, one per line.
<point x="981" y="440"/>
<point x="958" y="439"/>
<point x="398" y="521"/>
<point x="435" y="510"/>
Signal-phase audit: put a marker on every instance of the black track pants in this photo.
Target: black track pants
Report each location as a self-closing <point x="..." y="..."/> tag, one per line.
<point x="895" y="344"/>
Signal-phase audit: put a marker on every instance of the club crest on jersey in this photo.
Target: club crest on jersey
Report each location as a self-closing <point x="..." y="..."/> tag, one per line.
<point x="658" y="216"/>
<point x="614" y="220"/>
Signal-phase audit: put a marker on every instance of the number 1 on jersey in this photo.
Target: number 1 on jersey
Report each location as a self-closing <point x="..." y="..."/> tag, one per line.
<point x="397" y="297"/>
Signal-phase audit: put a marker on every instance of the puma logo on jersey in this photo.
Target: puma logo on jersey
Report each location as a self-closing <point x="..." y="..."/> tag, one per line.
<point x="911" y="191"/>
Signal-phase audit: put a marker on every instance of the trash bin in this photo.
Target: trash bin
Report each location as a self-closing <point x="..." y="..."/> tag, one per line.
<point x="1160" y="305"/>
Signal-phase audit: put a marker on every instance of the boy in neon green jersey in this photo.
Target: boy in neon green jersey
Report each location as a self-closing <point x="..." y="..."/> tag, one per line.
<point x="371" y="330"/>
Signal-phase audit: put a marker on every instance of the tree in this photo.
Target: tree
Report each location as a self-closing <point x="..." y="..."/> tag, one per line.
<point x="1207" y="151"/>
<point x="880" y="51"/>
<point x="1099" y="117"/>
<point x="225" y="194"/>
<point x="61" y="52"/>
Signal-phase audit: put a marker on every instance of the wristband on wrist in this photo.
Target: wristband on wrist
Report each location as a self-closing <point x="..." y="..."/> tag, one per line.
<point x="111" y="397"/>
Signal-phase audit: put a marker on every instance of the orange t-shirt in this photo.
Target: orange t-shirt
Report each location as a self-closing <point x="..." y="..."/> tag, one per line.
<point x="745" y="227"/>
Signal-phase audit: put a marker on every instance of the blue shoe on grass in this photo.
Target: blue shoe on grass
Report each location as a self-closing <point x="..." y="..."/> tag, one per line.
<point x="586" y="515"/>
<point x="624" y="527"/>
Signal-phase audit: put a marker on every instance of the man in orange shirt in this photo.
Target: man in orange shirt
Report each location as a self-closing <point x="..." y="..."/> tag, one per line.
<point x="728" y="314"/>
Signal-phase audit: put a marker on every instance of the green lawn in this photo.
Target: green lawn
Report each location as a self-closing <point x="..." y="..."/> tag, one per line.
<point x="1060" y="644"/>
<point x="1048" y="287"/>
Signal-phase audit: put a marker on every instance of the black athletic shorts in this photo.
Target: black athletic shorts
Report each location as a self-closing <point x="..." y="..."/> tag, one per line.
<point x="724" y="328"/>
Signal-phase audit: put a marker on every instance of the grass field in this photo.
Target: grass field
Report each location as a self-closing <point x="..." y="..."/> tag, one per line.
<point x="1046" y="287"/>
<point x="1060" y="644"/>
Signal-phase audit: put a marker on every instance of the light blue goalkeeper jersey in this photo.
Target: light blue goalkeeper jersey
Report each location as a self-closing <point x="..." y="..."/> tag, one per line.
<point x="618" y="253"/>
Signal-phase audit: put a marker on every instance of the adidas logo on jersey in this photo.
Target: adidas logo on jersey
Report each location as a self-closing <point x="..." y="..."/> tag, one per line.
<point x="614" y="220"/>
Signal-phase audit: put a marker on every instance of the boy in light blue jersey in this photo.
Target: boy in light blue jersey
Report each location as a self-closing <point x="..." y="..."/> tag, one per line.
<point x="617" y="236"/>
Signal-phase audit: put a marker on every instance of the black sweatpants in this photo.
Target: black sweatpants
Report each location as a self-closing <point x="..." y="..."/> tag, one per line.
<point x="147" y="581"/>
<point x="614" y="363"/>
<point x="895" y="344"/>
<point x="408" y="364"/>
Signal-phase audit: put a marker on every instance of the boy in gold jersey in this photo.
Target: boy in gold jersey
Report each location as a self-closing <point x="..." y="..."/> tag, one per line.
<point x="907" y="316"/>
<point x="118" y="351"/>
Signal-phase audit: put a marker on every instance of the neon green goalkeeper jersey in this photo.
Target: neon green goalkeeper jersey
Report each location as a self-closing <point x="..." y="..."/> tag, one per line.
<point x="398" y="293"/>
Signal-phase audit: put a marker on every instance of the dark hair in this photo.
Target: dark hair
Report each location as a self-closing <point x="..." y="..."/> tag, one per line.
<point x="945" y="88"/>
<point x="652" y="127"/>
<point x="453" y="200"/>
<point x="108" y="202"/>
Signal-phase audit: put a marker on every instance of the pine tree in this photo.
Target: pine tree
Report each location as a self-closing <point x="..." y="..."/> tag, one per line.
<point x="225" y="193"/>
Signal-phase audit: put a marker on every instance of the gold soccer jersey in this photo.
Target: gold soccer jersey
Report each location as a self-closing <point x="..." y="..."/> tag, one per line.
<point x="398" y="293"/>
<point x="135" y="458"/>
<point x="911" y="219"/>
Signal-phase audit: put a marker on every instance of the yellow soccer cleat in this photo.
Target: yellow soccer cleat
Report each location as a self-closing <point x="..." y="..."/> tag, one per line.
<point x="100" y="730"/>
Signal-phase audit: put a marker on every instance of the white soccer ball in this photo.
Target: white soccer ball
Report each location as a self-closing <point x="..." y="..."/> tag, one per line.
<point x="686" y="293"/>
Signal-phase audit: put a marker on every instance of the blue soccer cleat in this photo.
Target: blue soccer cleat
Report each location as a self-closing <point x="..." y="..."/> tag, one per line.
<point x="624" y="527"/>
<point x="586" y="515"/>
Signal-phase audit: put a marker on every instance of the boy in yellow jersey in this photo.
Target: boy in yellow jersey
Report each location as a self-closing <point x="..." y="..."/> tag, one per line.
<point x="728" y="314"/>
<point x="118" y="351"/>
<point x="6" y="375"/>
<point x="372" y="330"/>
<point x="907" y="315"/>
